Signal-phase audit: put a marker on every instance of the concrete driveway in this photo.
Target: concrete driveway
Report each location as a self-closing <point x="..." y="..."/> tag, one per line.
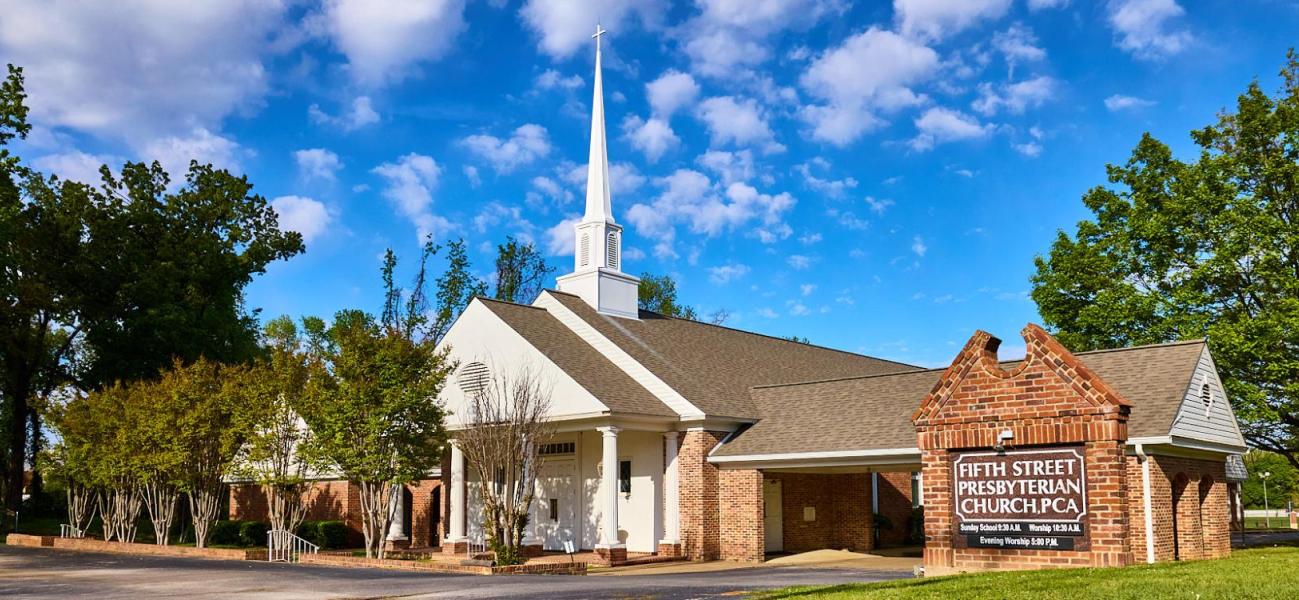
<point x="44" y="573"/>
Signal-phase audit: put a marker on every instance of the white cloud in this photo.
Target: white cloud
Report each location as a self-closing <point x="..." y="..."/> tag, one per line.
<point x="560" y="239"/>
<point x="807" y="288"/>
<point x="528" y="143"/>
<point x="797" y="309"/>
<point x="730" y="167"/>
<point x="501" y="219"/>
<point x="737" y="121"/>
<point x="76" y="165"/>
<point x="1018" y="45"/>
<point x="1143" y="27"/>
<point x="878" y="206"/>
<point x="360" y="114"/>
<point x="317" y="163"/>
<point x="1014" y="97"/>
<point x="552" y="189"/>
<point x="725" y="274"/>
<point x="624" y="178"/>
<point x="936" y="19"/>
<point x="385" y="41"/>
<point x="1119" y="102"/>
<point x="304" y="215"/>
<point x="799" y="262"/>
<point x="175" y="152"/>
<point x="137" y="70"/>
<point x="767" y="313"/>
<point x="854" y="95"/>
<point x="672" y="91"/>
<point x="729" y="37"/>
<point x="809" y="238"/>
<point x="410" y="182"/>
<point x="552" y="80"/>
<point x="833" y="188"/>
<point x="938" y="125"/>
<point x="471" y="173"/>
<point x="1028" y="148"/>
<point x="653" y="137"/>
<point x="918" y="246"/>
<point x="1045" y="4"/>
<point x="691" y="199"/>
<point x="564" y="26"/>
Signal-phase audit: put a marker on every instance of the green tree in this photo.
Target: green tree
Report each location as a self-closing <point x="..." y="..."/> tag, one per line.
<point x="454" y="288"/>
<point x="152" y="416"/>
<point x="658" y="293"/>
<point x="371" y="402"/>
<point x="521" y="272"/>
<point x="1204" y="248"/>
<point x="112" y="282"/>
<point x="1282" y="480"/>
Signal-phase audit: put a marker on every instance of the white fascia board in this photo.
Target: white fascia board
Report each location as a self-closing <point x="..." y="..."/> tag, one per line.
<point x="1176" y="441"/>
<point x="833" y="458"/>
<point x="633" y="368"/>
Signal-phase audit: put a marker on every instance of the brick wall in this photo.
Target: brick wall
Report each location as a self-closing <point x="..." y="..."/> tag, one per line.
<point x="341" y="501"/>
<point x="700" y="527"/>
<point x="842" y="511"/>
<point x="425" y="529"/>
<point x="1189" y="508"/>
<point x="895" y="504"/>
<point x="740" y="509"/>
<point x="1049" y="399"/>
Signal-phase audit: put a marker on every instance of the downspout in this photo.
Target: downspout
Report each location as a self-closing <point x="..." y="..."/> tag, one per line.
<point x="1145" y="498"/>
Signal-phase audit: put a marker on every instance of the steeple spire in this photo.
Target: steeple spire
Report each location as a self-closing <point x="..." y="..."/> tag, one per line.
<point x="597" y="170"/>
<point x="597" y="258"/>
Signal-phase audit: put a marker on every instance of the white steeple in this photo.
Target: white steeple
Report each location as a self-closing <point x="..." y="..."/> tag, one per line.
<point x="597" y="258"/>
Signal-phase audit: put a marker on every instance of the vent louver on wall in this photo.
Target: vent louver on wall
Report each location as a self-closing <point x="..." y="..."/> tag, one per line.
<point x="473" y="378"/>
<point x="612" y="250"/>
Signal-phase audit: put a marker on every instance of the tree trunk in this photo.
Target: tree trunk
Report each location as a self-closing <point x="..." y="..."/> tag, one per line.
<point x="160" y="501"/>
<point x="285" y="505"/>
<point x="376" y="513"/>
<point x="18" y="409"/>
<point x="204" y="503"/>
<point x="81" y="503"/>
<point x="37" y="486"/>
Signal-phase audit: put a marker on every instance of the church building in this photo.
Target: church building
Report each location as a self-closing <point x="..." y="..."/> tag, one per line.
<point x="685" y="439"/>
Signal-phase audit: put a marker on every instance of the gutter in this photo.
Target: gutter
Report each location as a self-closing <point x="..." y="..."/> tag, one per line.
<point x="1145" y="501"/>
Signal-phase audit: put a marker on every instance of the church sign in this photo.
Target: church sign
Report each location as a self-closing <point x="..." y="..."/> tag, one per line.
<point x="1021" y="499"/>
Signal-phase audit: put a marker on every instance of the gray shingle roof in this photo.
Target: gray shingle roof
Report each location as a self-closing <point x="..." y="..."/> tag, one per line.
<point x="590" y="369"/>
<point x="715" y="367"/>
<point x="874" y="412"/>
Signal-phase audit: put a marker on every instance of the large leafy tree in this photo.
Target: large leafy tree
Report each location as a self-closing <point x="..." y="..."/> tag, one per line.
<point x="371" y="400"/>
<point x="113" y="282"/>
<point x="1198" y="248"/>
<point x="521" y="271"/>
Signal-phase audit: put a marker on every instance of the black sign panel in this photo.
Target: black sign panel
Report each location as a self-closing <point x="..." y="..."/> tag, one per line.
<point x="1019" y="542"/>
<point x="1015" y="528"/>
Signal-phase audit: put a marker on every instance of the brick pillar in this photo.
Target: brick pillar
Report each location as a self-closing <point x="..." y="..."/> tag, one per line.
<point x="740" y="508"/>
<point x="936" y="488"/>
<point x="698" y="495"/>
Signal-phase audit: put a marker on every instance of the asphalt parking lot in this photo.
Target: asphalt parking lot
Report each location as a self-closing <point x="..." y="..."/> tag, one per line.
<point x="46" y="573"/>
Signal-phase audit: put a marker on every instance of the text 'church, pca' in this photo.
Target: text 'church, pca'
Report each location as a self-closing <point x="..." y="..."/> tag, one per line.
<point x="698" y="441"/>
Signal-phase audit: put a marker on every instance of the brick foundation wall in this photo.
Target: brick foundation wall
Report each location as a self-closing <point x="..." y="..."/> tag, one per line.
<point x="700" y="526"/>
<point x="1049" y="399"/>
<point x="341" y="501"/>
<point x="895" y="504"/>
<point x="740" y="509"/>
<point x="841" y="503"/>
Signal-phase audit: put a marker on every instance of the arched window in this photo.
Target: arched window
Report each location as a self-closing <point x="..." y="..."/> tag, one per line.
<point x="612" y="250"/>
<point x="584" y="250"/>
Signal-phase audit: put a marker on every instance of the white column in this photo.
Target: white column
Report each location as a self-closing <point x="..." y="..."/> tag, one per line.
<point x="456" y="528"/>
<point x="397" y="527"/>
<point x="671" y="492"/>
<point x="609" y="488"/>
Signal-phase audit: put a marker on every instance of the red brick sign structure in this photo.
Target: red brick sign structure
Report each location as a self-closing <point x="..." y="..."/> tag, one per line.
<point x="1023" y="463"/>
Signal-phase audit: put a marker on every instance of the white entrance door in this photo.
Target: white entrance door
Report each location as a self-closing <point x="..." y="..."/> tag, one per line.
<point x="772" y="516"/>
<point x="555" y="507"/>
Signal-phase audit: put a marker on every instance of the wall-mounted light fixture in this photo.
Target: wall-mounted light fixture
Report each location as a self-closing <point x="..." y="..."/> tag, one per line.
<point x="1004" y="436"/>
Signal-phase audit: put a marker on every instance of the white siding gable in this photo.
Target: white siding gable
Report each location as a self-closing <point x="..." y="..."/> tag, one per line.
<point x="1213" y="423"/>
<point x="480" y="336"/>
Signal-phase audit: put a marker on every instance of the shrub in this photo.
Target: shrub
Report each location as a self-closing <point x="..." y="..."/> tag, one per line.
<point x="224" y="533"/>
<point x="309" y="530"/>
<point x="916" y="526"/>
<point x="252" y="534"/>
<point x="331" y="535"/>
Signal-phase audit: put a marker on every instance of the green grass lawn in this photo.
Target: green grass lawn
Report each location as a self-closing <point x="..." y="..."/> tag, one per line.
<point x="1255" y="573"/>
<point x="1261" y="523"/>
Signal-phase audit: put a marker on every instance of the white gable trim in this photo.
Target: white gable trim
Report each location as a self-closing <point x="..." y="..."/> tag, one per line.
<point x="648" y="380"/>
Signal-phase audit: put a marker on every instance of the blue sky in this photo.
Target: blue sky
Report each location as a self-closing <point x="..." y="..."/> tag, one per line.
<point x="874" y="176"/>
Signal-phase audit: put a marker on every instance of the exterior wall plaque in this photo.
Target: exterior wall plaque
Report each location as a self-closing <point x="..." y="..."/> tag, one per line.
<point x="1021" y="499"/>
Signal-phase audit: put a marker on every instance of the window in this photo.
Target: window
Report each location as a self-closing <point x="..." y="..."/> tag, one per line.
<point x="612" y="249"/>
<point x="624" y="476"/>
<point x="554" y="509"/>
<point x="917" y="497"/>
<point x="557" y="448"/>
<point x="584" y="250"/>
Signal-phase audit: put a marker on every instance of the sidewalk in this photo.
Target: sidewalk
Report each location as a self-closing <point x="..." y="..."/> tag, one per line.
<point x="816" y="559"/>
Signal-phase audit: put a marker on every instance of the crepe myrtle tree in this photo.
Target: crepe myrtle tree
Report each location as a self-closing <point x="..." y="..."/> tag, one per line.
<point x="67" y="463"/>
<point x="152" y="413"/>
<point x="276" y="456"/>
<point x="371" y="401"/>
<point x="503" y="429"/>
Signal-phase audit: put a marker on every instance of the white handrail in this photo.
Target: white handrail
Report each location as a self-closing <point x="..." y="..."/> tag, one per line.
<point x="284" y="546"/>
<point x="68" y="531"/>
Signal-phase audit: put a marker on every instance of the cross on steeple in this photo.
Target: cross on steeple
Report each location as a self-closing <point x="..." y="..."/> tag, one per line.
<point x="599" y="31"/>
